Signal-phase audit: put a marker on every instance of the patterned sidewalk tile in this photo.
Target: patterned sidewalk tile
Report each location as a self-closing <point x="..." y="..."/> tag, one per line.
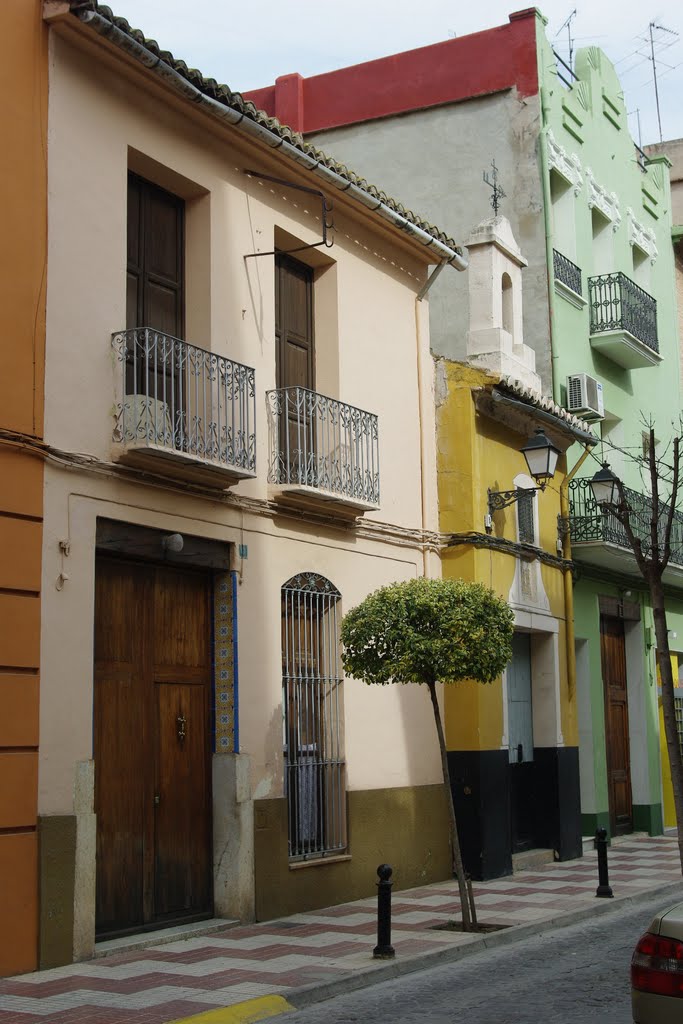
<point x="167" y="982"/>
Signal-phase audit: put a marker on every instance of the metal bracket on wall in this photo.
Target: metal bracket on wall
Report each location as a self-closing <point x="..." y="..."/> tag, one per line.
<point x="326" y="212"/>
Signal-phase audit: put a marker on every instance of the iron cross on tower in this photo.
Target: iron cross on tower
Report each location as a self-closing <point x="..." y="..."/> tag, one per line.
<point x="492" y="182"/>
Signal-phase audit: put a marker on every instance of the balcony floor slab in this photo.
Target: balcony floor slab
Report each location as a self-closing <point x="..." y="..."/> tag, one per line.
<point x="176" y="465"/>
<point x="625" y="349"/>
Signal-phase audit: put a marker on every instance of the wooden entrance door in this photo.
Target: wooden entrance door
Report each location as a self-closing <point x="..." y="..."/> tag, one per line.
<point x="152" y="745"/>
<point x="617" y="748"/>
<point x="521" y="739"/>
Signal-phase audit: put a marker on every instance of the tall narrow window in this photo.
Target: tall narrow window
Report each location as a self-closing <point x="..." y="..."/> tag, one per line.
<point x="508" y="318"/>
<point x="525" y="518"/>
<point x="315" y="772"/>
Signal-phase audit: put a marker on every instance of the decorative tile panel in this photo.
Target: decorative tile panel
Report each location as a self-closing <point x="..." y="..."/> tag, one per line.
<point x="225" y="664"/>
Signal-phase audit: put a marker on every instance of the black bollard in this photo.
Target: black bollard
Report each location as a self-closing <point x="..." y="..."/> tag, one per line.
<point x="384" y="950"/>
<point x="603" y="888"/>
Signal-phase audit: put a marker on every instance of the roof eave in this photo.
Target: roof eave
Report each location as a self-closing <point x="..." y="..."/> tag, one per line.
<point x="273" y="135"/>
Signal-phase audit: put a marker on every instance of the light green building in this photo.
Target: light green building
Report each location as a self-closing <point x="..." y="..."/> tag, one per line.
<point x="615" y="355"/>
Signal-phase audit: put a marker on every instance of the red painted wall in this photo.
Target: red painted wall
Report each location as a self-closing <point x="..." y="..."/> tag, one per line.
<point x="457" y="69"/>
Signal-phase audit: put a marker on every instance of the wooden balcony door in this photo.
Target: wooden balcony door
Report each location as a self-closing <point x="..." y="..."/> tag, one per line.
<point x="617" y="747"/>
<point x="295" y="363"/>
<point x="155" y="286"/>
<point x="152" y="745"/>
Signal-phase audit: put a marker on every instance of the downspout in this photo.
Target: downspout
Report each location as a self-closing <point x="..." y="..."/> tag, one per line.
<point x="443" y="253"/>
<point x="418" y="342"/>
<point x="570" y="634"/>
<point x="547" y="220"/>
<point x="420" y="421"/>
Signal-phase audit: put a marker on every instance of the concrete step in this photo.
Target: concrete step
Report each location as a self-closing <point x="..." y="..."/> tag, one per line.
<point x="528" y="860"/>
<point x="162" y="936"/>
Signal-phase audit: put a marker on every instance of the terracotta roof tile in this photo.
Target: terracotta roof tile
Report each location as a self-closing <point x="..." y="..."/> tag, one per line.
<point x="223" y="94"/>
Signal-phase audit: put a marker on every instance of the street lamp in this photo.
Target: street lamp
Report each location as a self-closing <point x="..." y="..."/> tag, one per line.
<point x="605" y="488"/>
<point x="541" y="458"/>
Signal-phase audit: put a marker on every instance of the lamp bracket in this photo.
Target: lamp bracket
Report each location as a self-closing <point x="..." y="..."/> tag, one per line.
<point x="499" y="500"/>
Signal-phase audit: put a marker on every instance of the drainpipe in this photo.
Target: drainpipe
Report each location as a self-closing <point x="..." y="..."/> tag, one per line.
<point x="420" y="421"/>
<point x="567" y="580"/>
<point x="547" y="220"/>
<point x="443" y="253"/>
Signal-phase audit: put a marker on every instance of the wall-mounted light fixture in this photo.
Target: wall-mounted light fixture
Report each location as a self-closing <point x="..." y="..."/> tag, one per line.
<point x="605" y="488"/>
<point x="541" y="458"/>
<point x="173" y="542"/>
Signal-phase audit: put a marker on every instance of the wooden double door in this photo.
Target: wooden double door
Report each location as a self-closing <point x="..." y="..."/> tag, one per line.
<point x="617" y="746"/>
<point x="152" y="745"/>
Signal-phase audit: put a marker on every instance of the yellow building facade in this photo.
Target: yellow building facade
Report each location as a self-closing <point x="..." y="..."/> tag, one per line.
<point x="513" y="745"/>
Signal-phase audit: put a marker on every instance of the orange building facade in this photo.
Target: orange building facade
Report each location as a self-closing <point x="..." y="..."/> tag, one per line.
<point x="23" y="184"/>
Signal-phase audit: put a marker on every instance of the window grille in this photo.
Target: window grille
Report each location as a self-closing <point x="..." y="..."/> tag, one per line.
<point x="315" y="771"/>
<point x="679" y="720"/>
<point x="525" y="518"/>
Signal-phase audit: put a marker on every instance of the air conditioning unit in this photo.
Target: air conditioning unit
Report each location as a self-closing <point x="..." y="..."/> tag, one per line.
<point x="584" y="396"/>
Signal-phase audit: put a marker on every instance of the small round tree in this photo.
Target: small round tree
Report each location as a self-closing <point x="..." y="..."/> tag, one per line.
<point x="430" y="631"/>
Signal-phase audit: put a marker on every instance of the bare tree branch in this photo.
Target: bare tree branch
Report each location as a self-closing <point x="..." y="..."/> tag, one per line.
<point x="666" y="552"/>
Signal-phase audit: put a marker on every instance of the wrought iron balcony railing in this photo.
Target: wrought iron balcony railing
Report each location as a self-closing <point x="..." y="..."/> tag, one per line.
<point x="618" y="304"/>
<point x="588" y="524"/>
<point x="567" y="272"/>
<point x="184" y="401"/>
<point x="321" y="443"/>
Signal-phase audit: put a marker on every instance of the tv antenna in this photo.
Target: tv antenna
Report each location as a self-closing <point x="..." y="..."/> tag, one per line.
<point x="657" y="28"/>
<point x="568" y="25"/>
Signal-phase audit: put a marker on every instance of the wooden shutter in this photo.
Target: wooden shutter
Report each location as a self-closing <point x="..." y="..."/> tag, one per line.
<point x="155" y="287"/>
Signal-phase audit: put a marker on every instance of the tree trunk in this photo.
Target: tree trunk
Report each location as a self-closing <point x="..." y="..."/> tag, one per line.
<point x="455" y="842"/>
<point x="668" y="703"/>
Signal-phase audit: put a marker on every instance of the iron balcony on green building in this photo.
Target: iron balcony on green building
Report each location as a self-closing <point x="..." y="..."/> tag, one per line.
<point x="623" y="321"/>
<point x="599" y="539"/>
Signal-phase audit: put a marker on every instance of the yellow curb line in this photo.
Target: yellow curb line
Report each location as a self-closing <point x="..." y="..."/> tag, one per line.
<point x="241" y="1013"/>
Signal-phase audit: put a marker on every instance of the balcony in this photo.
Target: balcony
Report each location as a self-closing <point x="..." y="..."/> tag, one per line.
<point x="599" y="538"/>
<point x="568" y="279"/>
<point x="623" y="321"/>
<point x="322" y="452"/>
<point x="181" y="411"/>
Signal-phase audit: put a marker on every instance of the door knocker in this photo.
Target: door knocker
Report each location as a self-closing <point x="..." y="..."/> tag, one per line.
<point x="182" y="722"/>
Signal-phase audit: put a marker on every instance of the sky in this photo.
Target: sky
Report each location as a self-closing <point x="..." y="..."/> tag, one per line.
<point x="248" y="47"/>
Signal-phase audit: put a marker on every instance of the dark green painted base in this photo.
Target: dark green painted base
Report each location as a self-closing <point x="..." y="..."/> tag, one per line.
<point x="480" y="781"/>
<point x="57" y="859"/>
<point x="405" y="827"/>
<point x="590" y="823"/>
<point x="648" y="818"/>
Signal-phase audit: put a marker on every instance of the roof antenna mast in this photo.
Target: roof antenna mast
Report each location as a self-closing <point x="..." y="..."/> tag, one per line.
<point x="568" y="25"/>
<point x="658" y="28"/>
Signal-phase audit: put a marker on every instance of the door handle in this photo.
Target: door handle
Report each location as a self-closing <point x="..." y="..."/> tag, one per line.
<point x="520" y="753"/>
<point x="181" y="722"/>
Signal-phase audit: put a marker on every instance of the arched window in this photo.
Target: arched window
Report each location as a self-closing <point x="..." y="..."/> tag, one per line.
<point x="315" y="771"/>
<point x="506" y="285"/>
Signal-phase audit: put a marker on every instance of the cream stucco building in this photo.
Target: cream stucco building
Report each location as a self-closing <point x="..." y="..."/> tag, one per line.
<point x="216" y="496"/>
